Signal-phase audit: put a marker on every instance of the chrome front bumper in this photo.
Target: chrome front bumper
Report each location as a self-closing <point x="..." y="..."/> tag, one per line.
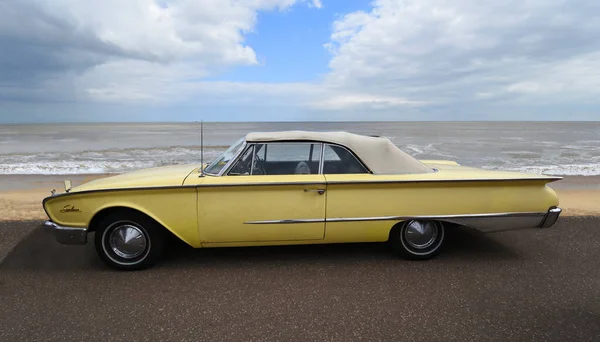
<point x="550" y="217"/>
<point x="67" y="235"/>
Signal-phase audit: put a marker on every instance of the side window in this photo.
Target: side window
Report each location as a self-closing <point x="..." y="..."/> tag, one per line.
<point x="338" y="160"/>
<point x="288" y="158"/>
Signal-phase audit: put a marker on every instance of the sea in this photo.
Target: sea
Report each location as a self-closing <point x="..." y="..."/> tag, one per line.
<point x="552" y="148"/>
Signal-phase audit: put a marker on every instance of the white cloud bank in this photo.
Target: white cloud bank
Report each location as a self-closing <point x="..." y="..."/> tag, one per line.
<point x="463" y="51"/>
<point x="139" y="45"/>
<point x="423" y="59"/>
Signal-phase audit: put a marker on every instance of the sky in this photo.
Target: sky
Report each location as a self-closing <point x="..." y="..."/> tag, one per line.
<point x="299" y="60"/>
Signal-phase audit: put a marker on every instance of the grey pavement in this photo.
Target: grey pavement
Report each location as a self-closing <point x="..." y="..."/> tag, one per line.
<point x="530" y="285"/>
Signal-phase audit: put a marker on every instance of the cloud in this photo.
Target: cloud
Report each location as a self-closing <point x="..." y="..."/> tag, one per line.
<point x="317" y="4"/>
<point x="69" y="41"/>
<point x="464" y="51"/>
<point x="415" y="59"/>
<point x="363" y="100"/>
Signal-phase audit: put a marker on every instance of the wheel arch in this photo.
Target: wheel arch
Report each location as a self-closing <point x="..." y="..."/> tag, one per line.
<point x="104" y="212"/>
<point x="446" y="224"/>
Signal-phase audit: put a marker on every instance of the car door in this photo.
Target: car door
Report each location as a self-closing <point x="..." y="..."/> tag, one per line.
<point x="354" y="202"/>
<point x="273" y="192"/>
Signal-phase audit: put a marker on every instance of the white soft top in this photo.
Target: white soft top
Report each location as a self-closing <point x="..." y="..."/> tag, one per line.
<point x="379" y="154"/>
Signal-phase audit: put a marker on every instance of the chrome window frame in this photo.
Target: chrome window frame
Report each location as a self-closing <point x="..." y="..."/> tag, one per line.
<point x="247" y="145"/>
<point x="237" y="157"/>
<point x="322" y="157"/>
<point x="253" y="148"/>
<point x="227" y="166"/>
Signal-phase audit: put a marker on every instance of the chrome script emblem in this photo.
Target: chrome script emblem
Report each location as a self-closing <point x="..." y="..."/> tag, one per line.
<point x="70" y="209"/>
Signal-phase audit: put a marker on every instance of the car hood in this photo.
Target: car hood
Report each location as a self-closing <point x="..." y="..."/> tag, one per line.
<point x="159" y="176"/>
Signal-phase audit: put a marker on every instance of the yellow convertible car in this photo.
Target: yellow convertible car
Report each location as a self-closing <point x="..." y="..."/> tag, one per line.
<point x="297" y="187"/>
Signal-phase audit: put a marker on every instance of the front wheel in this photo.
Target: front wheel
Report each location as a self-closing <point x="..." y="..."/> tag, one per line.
<point x="129" y="241"/>
<point x="418" y="239"/>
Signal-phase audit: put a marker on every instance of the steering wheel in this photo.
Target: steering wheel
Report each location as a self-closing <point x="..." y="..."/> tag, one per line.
<point x="259" y="168"/>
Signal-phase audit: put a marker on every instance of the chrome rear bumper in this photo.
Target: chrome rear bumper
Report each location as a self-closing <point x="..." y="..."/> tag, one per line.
<point x="66" y="235"/>
<point x="550" y="218"/>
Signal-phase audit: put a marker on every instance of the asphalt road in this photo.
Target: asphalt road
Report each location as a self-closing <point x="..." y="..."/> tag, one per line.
<point x="514" y="286"/>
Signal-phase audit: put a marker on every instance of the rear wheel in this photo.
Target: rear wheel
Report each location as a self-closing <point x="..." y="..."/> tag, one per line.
<point x="418" y="239"/>
<point x="129" y="241"/>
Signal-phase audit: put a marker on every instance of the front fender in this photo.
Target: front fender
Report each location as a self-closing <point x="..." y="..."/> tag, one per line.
<point x="174" y="208"/>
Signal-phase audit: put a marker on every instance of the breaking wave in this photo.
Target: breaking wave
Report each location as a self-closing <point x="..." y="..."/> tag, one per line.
<point x="72" y="167"/>
<point x="23" y="154"/>
<point x="98" y="162"/>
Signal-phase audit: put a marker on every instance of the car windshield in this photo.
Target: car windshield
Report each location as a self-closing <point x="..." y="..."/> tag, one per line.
<point x="218" y="164"/>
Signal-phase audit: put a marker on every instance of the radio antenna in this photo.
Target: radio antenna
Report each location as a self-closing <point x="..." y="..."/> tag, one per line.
<point x="201" y="148"/>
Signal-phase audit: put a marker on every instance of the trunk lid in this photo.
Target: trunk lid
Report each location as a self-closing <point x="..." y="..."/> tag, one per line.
<point x="452" y="170"/>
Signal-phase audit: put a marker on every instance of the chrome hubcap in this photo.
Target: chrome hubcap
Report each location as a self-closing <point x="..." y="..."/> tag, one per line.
<point x="421" y="234"/>
<point x="127" y="241"/>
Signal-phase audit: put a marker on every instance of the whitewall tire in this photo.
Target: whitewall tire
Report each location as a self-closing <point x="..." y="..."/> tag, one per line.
<point x="129" y="240"/>
<point x="418" y="239"/>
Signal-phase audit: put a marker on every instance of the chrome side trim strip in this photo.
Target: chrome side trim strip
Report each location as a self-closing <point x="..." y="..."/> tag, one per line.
<point x="66" y="235"/>
<point x="260" y="184"/>
<point x="398" y="218"/>
<point x="285" y="221"/>
<point x="549" y="179"/>
<point x="169" y="187"/>
<point x="374" y="182"/>
<point x="308" y="183"/>
<point x="433" y="217"/>
<point x="486" y="223"/>
<point x="174" y="187"/>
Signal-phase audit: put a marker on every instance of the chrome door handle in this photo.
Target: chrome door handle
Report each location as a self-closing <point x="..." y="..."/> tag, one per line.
<point x="320" y="191"/>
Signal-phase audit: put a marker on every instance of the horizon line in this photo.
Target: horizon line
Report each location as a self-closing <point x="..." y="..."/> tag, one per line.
<point x="285" y="121"/>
